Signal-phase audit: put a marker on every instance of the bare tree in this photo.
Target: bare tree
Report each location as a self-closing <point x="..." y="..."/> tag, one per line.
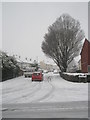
<point x="63" y="41"/>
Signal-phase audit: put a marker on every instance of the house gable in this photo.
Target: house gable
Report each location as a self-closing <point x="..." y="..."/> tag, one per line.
<point x="85" y="57"/>
<point x="85" y="42"/>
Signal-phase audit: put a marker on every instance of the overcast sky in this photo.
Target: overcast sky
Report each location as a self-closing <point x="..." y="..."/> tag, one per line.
<point x="24" y="24"/>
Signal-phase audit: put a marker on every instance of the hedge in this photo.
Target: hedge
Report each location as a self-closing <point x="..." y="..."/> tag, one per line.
<point x="75" y="78"/>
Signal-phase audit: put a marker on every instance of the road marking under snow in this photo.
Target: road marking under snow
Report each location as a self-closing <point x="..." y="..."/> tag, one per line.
<point x="44" y="109"/>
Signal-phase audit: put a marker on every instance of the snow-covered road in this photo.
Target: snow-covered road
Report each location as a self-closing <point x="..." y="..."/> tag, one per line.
<point x="52" y="89"/>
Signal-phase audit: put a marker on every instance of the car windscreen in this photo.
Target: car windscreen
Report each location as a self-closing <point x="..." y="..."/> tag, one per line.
<point x="36" y="74"/>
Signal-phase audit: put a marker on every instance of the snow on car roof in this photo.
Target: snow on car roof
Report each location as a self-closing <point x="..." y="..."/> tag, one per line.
<point x="37" y="72"/>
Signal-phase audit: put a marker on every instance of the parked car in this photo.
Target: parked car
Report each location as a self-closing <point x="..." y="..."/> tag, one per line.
<point x="55" y="72"/>
<point x="83" y="76"/>
<point x="37" y="76"/>
<point x="45" y="71"/>
<point x="28" y="74"/>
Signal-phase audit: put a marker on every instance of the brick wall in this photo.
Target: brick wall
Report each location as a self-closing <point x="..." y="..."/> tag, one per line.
<point x="85" y="56"/>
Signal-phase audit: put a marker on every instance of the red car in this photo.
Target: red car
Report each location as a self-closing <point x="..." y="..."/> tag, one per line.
<point x="37" y="76"/>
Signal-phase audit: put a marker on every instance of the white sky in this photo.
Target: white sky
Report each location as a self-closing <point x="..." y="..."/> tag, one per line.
<point x="24" y="24"/>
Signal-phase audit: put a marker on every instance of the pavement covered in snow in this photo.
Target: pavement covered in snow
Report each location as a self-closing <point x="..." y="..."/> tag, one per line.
<point x="52" y="89"/>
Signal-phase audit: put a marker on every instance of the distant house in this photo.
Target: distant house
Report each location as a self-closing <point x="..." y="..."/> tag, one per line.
<point x="85" y="57"/>
<point x="73" y="66"/>
<point x="26" y="65"/>
<point x="47" y="66"/>
<point x="79" y="65"/>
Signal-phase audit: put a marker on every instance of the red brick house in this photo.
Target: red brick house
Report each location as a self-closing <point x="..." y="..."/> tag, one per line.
<point x="85" y="57"/>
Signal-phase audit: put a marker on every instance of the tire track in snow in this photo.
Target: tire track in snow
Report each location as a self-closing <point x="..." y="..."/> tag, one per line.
<point x="31" y="93"/>
<point x="47" y="94"/>
<point x="16" y="89"/>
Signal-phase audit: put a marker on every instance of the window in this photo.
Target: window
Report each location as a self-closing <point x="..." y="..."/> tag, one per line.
<point x="89" y="68"/>
<point x="36" y="74"/>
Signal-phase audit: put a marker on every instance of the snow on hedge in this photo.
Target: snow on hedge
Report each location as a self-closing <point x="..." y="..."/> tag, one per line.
<point x="74" y="74"/>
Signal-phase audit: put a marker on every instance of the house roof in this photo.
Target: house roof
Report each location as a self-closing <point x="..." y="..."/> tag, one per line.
<point x="23" y="60"/>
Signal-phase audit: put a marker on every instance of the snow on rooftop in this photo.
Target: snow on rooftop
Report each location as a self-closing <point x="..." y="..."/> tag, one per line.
<point x="23" y="60"/>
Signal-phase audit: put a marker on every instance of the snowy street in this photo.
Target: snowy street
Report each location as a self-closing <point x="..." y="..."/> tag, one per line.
<point x="23" y="95"/>
<point x="23" y="90"/>
<point x="45" y="60"/>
